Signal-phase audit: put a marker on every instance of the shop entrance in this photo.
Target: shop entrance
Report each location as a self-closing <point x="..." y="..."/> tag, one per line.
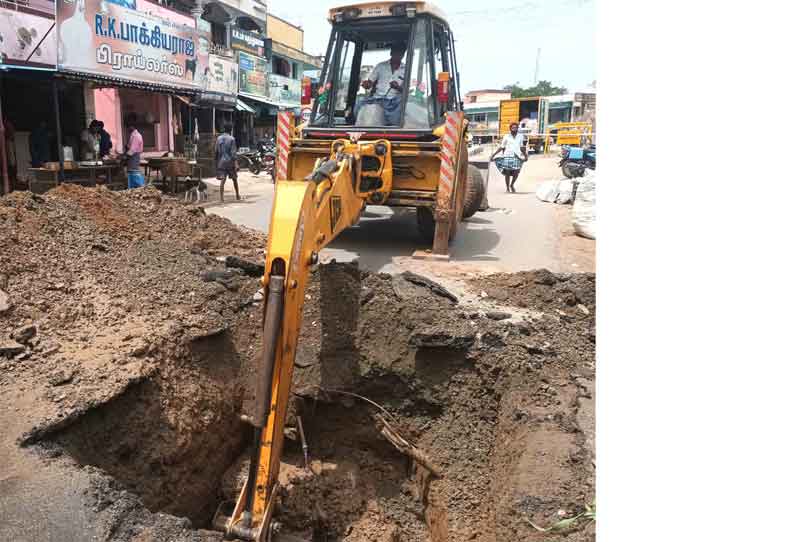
<point x="29" y="120"/>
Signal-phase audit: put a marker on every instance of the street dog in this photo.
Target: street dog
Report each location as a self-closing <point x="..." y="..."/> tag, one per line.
<point x="197" y="192"/>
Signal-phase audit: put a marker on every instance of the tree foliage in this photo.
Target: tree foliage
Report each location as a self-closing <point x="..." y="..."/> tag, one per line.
<point x="543" y="88"/>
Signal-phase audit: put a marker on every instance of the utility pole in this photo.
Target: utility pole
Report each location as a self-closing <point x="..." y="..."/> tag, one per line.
<point x="537" y="66"/>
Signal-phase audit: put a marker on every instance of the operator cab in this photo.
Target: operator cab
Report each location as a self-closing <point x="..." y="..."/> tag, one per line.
<point x="389" y="66"/>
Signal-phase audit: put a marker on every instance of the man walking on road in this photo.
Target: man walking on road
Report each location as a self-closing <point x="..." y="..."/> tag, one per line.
<point x="514" y="156"/>
<point x="226" y="159"/>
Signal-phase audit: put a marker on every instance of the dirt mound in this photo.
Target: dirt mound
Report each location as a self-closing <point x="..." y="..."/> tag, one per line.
<point x="540" y="289"/>
<point x="504" y="408"/>
<point x="128" y="353"/>
<point x="123" y="338"/>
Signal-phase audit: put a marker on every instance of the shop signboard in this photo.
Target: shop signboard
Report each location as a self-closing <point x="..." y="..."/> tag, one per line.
<point x="221" y="75"/>
<point x="249" y="42"/>
<point x="112" y="39"/>
<point x="285" y="91"/>
<point x="27" y="38"/>
<point x="253" y="75"/>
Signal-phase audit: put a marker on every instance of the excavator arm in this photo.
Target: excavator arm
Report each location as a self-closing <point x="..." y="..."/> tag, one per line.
<point x="307" y="215"/>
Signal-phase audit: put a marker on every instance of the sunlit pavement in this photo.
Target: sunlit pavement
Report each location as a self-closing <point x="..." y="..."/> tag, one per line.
<point x="517" y="232"/>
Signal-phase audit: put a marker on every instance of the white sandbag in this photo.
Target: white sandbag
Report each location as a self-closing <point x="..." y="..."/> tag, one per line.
<point x="564" y="191"/>
<point x="547" y="191"/>
<point x="371" y="114"/>
<point x="583" y="215"/>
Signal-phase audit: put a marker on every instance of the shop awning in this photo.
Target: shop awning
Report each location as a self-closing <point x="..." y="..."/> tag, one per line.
<point x="242" y="106"/>
<point x="107" y="81"/>
<point x="256" y="98"/>
<point x="185" y="100"/>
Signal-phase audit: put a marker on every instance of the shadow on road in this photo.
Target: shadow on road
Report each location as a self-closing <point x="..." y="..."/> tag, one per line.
<point x="381" y="236"/>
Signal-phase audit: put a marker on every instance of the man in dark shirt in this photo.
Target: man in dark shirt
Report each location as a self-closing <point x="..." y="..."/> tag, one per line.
<point x="105" y="143"/>
<point x="39" y="145"/>
<point x="226" y="159"/>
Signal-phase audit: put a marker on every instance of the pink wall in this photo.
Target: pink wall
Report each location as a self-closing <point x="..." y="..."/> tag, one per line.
<point x="143" y="103"/>
<point x="106" y="109"/>
<point x="111" y="104"/>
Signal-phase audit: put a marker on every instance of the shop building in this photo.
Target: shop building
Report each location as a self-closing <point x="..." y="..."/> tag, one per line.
<point x="288" y="64"/>
<point x="38" y="113"/>
<point x="134" y="61"/>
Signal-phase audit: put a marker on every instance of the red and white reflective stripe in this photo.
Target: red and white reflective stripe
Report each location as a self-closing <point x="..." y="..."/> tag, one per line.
<point x="282" y="142"/>
<point x="449" y="154"/>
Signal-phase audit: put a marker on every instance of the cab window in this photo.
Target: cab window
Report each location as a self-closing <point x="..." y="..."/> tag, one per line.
<point x="419" y="105"/>
<point x="363" y="54"/>
<point x="442" y="58"/>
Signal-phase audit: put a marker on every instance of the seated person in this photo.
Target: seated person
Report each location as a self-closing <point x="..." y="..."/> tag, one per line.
<point x="386" y="83"/>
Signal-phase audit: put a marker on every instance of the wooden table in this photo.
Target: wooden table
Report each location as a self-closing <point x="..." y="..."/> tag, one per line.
<point x="171" y="168"/>
<point x="81" y="174"/>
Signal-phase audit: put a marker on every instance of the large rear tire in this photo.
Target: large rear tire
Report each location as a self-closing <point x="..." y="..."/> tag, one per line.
<point x="426" y="224"/>
<point x="475" y="190"/>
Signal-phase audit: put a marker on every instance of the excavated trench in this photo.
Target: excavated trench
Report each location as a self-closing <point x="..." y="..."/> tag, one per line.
<point x="170" y="438"/>
<point x="472" y="393"/>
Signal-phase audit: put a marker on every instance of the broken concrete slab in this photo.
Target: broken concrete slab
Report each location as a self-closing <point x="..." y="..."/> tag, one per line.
<point x="25" y="333"/>
<point x="10" y="348"/>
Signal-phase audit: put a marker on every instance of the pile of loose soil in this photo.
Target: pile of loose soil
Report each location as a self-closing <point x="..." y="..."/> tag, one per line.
<point x="503" y="407"/>
<point x="128" y="355"/>
<point x="121" y="340"/>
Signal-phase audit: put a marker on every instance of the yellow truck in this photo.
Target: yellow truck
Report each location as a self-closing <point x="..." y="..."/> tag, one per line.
<point x="530" y="114"/>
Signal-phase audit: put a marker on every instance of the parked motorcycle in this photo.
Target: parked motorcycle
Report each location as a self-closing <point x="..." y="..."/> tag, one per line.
<point x="267" y="154"/>
<point x="261" y="159"/>
<point x="576" y="160"/>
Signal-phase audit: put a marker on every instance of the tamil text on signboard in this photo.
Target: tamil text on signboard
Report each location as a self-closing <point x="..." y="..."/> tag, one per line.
<point x="221" y="75"/>
<point x="110" y="39"/>
<point x="249" y="42"/>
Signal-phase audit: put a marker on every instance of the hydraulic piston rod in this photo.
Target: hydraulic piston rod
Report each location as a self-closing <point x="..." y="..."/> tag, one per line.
<point x="263" y="395"/>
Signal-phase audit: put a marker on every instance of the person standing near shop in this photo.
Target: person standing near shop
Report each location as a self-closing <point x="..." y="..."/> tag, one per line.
<point x="89" y="142"/>
<point x="226" y="159"/>
<point x="105" y="143"/>
<point x="39" y="145"/>
<point x="133" y="154"/>
<point x="514" y="156"/>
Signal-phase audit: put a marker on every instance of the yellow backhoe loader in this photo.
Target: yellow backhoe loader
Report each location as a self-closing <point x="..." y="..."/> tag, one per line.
<point x="386" y="128"/>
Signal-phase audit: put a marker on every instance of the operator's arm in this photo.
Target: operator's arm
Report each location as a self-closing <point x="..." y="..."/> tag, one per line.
<point x="523" y="147"/>
<point x="372" y="78"/>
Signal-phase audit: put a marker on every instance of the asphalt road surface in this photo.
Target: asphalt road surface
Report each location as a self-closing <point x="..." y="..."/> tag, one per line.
<point x="518" y="231"/>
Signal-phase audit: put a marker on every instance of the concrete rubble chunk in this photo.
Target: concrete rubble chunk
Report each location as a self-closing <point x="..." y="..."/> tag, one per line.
<point x="5" y="301"/>
<point x="10" y="348"/>
<point x="432" y="285"/>
<point x="443" y="338"/>
<point x="62" y="377"/>
<point x="24" y="334"/>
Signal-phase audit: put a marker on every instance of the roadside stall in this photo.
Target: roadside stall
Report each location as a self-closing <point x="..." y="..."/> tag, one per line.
<point x="138" y="67"/>
<point x="29" y="136"/>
